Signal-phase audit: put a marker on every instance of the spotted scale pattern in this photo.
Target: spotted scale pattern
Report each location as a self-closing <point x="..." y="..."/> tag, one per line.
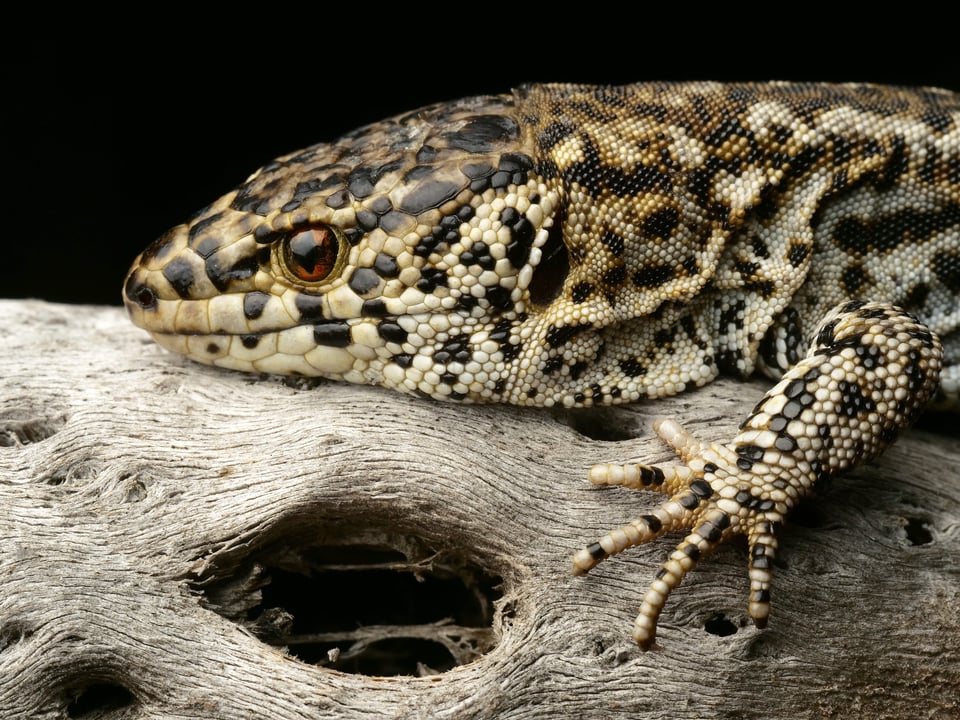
<point x="568" y="245"/>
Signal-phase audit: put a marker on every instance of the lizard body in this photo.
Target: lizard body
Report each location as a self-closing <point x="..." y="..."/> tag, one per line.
<point x="573" y="245"/>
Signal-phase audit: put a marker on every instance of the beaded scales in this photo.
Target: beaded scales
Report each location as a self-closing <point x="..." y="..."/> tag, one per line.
<point x="572" y="245"/>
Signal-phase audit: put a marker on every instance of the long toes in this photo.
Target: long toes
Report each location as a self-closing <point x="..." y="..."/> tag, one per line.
<point x="668" y="479"/>
<point x="706" y="536"/>
<point x="645" y="527"/>
<point x="763" y="549"/>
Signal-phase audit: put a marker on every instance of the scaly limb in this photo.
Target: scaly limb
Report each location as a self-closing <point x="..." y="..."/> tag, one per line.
<point x="868" y="374"/>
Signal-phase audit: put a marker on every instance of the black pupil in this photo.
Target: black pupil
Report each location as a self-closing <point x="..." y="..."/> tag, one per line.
<point x="313" y="253"/>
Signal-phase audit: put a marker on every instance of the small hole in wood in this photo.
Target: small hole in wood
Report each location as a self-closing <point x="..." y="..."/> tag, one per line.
<point x="12" y="634"/>
<point x="386" y="609"/>
<point x="605" y="424"/>
<point x="720" y="625"/>
<point x="25" y="429"/>
<point x="918" y="531"/>
<point x="98" y="700"/>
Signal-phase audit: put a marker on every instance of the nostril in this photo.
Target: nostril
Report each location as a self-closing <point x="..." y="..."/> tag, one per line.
<point x="146" y="298"/>
<point x="141" y="294"/>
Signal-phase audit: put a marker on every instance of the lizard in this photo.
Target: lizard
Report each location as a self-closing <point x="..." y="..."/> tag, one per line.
<point x="568" y="245"/>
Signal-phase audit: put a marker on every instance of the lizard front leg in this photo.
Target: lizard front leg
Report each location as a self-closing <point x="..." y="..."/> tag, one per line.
<point x="869" y="372"/>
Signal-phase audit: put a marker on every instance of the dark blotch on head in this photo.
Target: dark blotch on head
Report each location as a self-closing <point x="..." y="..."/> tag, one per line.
<point x="797" y="253"/>
<point x="392" y="332"/>
<point x="374" y="308"/>
<point x="386" y="266"/>
<point x="429" y="195"/>
<point x="253" y="304"/>
<point x="221" y="277"/>
<point x="481" y="133"/>
<point x="332" y="334"/>
<point x="207" y="247"/>
<point x="363" y="280"/>
<point x="310" y="306"/>
<point x="853" y="278"/>
<point x="179" y="274"/>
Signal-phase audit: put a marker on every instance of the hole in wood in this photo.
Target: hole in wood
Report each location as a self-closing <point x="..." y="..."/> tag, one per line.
<point x="918" y="531"/>
<point x="720" y="625"/>
<point x="391" y="608"/>
<point x="100" y="700"/>
<point x="25" y="428"/>
<point x="603" y="423"/>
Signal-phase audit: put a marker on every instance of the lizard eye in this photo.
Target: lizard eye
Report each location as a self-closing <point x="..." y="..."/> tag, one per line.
<point x="313" y="254"/>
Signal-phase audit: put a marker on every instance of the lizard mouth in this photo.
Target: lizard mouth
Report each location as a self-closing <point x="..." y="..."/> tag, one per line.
<point x="288" y="351"/>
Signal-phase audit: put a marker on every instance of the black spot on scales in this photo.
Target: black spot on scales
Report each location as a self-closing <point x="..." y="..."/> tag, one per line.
<point x="632" y="368"/>
<point x="946" y="266"/>
<point x="332" y="334"/>
<point x="309" y="306"/>
<point x="551" y="365"/>
<point x="253" y="304"/>
<point x="615" y="276"/>
<point x="222" y="277"/>
<point x="661" y="224"/>
<point x="559" y="335"/>
<point x="179" y="273"/>
<point x="613" y="242"/>
<point x="580" y="292"/>
<point x="363" y="280"/>
<point x="207" y="247"/>
<point x="482" y="133"/>
<point x="374" y="308"/>
<point x="430" y="195"/>
<point x="653" y="276"/>
<point x="431" y="279"/>
<point x="386" y="266"/>
<point x="498" y="297"/>
<point x="392" y="332"/>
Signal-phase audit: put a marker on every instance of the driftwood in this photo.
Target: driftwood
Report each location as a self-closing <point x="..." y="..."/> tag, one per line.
<point x="178" y="541"/>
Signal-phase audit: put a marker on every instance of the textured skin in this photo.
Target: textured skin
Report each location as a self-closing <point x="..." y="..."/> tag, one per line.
<point x="574" y="246"/>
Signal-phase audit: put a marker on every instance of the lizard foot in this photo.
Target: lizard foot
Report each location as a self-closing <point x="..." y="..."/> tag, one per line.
<point x="868" y="374"/>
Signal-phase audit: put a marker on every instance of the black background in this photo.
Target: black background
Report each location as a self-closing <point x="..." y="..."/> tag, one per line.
<point x="107" y="143"/>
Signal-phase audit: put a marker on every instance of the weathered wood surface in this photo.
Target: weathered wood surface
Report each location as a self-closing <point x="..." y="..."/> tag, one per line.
<point x="127" y="473"/>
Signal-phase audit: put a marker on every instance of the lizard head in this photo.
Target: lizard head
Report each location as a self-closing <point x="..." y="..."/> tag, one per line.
<point x="401" y="255"/>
